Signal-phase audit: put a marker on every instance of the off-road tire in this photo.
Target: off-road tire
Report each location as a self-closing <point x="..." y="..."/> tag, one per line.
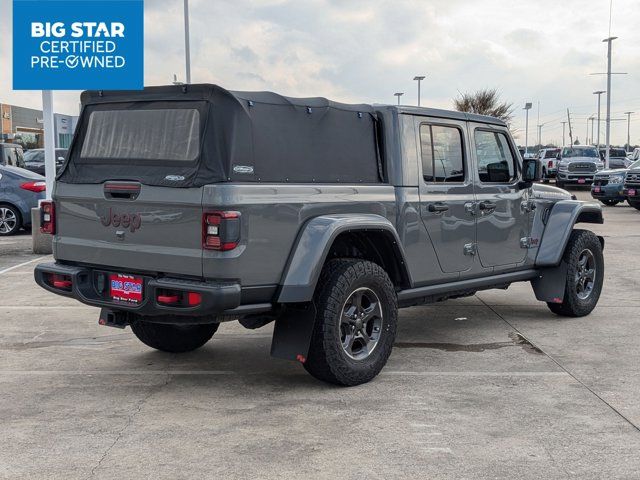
<point x="13" y="221"/>
<point x="327" y="360"/>
<point x="572" y="305"/>
<point x="610" y="203"/>
<point x="634" y="204"/>
<point x="173" y="338"/>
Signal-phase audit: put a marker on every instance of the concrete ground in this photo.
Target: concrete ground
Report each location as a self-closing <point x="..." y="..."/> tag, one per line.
<point x="464" y="395"/>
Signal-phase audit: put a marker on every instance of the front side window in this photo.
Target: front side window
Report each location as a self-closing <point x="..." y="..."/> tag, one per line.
<point x="442" y="157"/>
<point x="496" y="163"/>
<point x="171" y="134"/>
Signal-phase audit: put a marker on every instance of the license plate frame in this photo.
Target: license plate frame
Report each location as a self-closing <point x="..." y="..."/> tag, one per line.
<point x="125" y="288"/>
<point x="596" y="189"/>
<point x="581" y="180"/>
<point x="632" y="192"/>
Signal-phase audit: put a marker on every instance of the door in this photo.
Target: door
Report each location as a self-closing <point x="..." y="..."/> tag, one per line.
<point x="446" y="192"/>
<point x="502" y="206"/>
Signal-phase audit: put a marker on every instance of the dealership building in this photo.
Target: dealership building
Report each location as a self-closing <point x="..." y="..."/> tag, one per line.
<point x="25" y="126"/>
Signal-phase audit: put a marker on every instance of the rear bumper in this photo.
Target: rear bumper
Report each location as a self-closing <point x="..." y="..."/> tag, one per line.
<point x="216" y="297"/>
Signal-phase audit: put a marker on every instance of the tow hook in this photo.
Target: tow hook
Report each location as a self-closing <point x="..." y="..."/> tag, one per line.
<point x="109" y="318"/>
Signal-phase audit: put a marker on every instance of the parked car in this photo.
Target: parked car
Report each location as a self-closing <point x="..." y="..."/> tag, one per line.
<point x="548" y="158"/>
<point x="577" y="165"/>
<point x="34" y="159"/>
<point x="12" y="155"/>
<point x="617" y="157"/>
<point x="20" y="191"/>
<point x="608" y="186"/>
<point x="323" y="217"/>
<point x="632" y="185"/>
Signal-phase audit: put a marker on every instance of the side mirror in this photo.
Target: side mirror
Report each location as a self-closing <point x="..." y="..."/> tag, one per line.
<point x="530" y="173"/>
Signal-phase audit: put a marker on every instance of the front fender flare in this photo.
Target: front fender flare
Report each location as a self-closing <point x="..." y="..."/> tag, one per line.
<point x="560" y="222"/>
<point x="311" y="250"/>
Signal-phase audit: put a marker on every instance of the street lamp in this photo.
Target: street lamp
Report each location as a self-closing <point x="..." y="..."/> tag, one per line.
<point x="608" y="126"/>
<point x="398" y="94"/>
<point x="187" y="48"/>
<point x="527" y="107"/>
<point x="591" y="119"/>
<point x="419" y="78"/>
<point x="628" y="114"/>
<point x="599" y="92"/>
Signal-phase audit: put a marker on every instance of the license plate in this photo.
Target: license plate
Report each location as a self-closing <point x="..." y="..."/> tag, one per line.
<point x="596" y="189"/>
<point x="581" y="180"/>
<point x="632" y="192"/>
<point x="125" y="288"/>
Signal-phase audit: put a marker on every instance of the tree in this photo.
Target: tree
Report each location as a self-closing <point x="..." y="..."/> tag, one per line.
<point x="484" y="102"/>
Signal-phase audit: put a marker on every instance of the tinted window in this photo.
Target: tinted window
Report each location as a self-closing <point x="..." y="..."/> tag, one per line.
<point x="34" y="156"/>
<point x="617" y="152"/>
<point x="442" y="158"/>
<point x="496" y="163"/>
<point x="161" y="134"/>
<point x="551" y="153"/>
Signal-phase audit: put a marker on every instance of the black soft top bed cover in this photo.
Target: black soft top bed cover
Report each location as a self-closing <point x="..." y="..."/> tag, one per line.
<point x="242" y="136"/>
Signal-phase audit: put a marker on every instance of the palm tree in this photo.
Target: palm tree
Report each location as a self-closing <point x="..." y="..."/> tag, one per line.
<point x="484" y="102"/>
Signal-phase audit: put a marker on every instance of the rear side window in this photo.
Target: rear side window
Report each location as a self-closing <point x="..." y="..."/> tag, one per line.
<point x="143" y="135"/>
<point x="551" y="153"/>
<point x="442" y="157"/>
<point x="496" y="163"/>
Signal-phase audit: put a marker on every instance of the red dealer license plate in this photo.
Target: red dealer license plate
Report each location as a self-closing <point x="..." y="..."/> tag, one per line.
<point x="125" y="288"/>
<point x="632" y="192"/>
<point x="581" y="180"/>
<point x="596" y="189"/>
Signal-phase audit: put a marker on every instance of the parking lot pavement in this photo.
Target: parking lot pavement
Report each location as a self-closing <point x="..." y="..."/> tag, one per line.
<point x="490" y="386"/>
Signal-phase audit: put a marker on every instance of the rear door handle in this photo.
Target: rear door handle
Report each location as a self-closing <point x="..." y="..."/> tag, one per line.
<point x="487" y="206"/>
<point x="437" y="207"/>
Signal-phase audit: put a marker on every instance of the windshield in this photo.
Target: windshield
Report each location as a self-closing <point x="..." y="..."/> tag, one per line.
<point x="572" y="152"/>
<point x="34" y="156"/>
<point x="617" y="152"/>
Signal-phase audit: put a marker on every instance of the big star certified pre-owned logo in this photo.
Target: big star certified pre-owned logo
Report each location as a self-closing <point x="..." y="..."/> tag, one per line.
<point x="77" y="45"/>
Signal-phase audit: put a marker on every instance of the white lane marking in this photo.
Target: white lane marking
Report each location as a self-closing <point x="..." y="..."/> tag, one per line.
<point x="437" y="449"/>
<point x="20" y="265"/>
<point x="475" y="374"/>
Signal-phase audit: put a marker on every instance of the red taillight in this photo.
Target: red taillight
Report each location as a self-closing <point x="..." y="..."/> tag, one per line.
<point x="220" y="230"/>
<point x="48" y="217"/>
<point x="34" y="186"/>
<point x="550" y="163"/>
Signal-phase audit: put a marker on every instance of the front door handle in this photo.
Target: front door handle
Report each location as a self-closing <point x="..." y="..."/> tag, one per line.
<point x="487" y="206"/>
<point x="437" y="207"/>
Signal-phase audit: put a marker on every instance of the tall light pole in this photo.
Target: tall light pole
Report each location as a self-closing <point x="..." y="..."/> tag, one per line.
<point x="540" y="134"/>
<point x="592" y="119"/>
<point x="608" y="125"/>
<point x="187" y="48"/>
<point x="628" y="114"/>
<point x="527" y="107"/>
<point x="564" y="124"/>
<point x="398" y="94"/>
<point x="599" y="92"/>
<point x="419" y="78"/>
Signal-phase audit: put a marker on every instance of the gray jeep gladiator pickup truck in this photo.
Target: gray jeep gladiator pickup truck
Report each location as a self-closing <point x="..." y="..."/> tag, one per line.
<point x="181" y="207"/>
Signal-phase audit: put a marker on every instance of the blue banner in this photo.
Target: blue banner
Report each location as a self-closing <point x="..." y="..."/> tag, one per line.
<point x="78" y="44"/>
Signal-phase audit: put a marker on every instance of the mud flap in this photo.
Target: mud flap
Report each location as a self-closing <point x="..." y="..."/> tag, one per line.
<point x="549" y="286"/>
<point x="292" y="333"/>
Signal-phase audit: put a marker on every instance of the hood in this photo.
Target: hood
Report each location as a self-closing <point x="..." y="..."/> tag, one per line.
<point x="549" y="192"/>
<point x="580" y="159"/>
<point x="613" y="171"/>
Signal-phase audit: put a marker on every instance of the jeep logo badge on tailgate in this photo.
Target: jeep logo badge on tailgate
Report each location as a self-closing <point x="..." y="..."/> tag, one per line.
<point x="132" y="221"/>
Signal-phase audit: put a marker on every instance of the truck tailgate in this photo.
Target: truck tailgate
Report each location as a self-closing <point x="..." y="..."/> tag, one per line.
<point x="159" y="229"/>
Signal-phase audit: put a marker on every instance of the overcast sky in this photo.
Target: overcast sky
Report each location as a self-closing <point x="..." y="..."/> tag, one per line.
<point x="364" y="51"/>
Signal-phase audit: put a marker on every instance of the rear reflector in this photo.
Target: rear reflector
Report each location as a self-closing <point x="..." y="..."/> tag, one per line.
<point x="61" y="282"/>
<point x="48" y="217"/>
<point x="194" y="299"/>
<point x="36" y="187"/>
<point x="220" y="230"/>
<point x="168" y="299"/>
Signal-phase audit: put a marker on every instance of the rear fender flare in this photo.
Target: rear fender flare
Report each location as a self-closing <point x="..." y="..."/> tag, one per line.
<point x="312" y="247"/>
<point x="559" y="225"/>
